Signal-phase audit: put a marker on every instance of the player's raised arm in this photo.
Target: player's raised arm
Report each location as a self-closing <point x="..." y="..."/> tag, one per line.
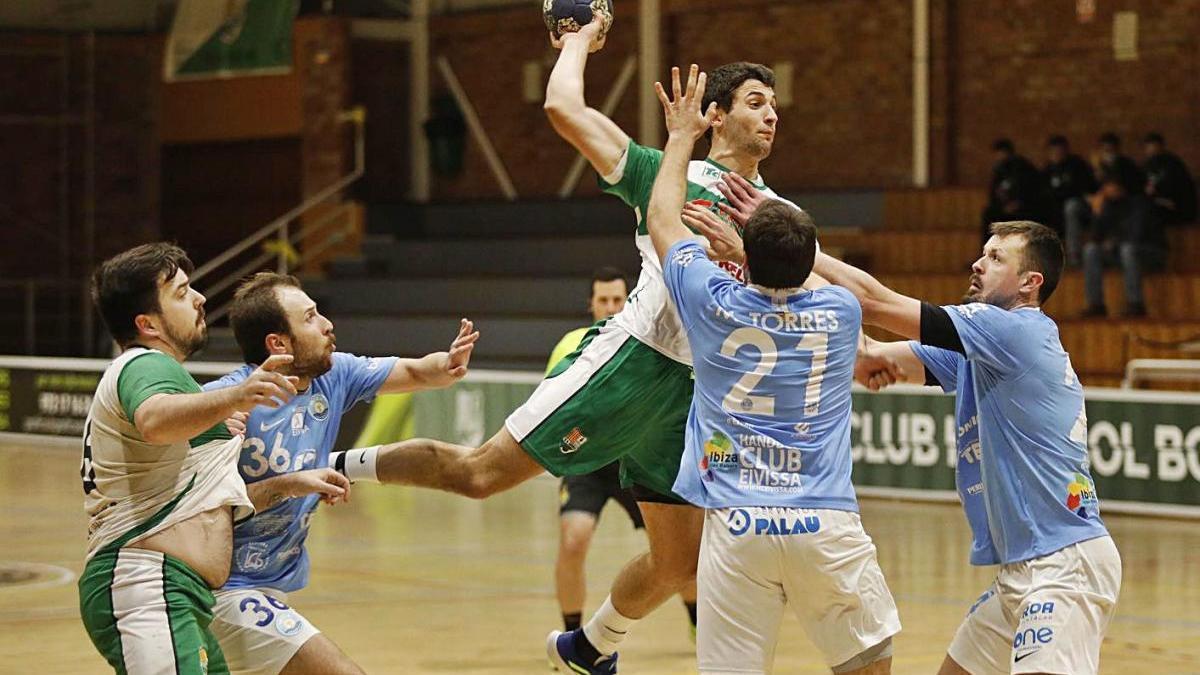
<point x="595" y="136"/>
<point x="685" y="123"/>
<point x="436" y="370"/>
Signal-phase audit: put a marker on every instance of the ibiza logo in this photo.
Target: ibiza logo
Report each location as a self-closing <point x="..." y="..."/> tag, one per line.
<point x="572" y="441"/>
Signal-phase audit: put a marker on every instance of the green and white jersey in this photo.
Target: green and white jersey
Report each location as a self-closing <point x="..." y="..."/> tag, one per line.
<point x="649" y="314"/>
<point x="133" y="488"/>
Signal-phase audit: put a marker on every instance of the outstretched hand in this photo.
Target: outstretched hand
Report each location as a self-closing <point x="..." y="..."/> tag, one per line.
<point x="682" y="111"/>
<point x="459" y="355"/>
<point x="724" y="242"/>
<point x="743" y="198"/>
<point x="876" y="371"/>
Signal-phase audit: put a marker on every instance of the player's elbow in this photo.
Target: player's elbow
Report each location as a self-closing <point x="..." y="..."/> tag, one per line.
<point x="479" y="487"/>
<point x="562" y="111"/>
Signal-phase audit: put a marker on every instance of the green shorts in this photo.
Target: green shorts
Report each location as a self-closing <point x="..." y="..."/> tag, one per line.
<point x="612" y="399"/>
<point x="149" y="612"/>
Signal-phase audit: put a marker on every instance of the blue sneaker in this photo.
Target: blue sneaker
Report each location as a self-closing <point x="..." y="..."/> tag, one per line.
<point x="560" y="647"/>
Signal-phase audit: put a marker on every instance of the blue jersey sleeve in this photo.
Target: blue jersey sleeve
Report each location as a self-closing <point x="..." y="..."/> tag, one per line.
<point x="687" y="271"/>
<point x="990" y="336"/>
<point x="232" y="379"/>
<point x="943" y="363"/>
<point x="360" y="377"/>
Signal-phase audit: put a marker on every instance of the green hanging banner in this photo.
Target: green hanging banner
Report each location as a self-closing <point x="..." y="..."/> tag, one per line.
<point x="212" y="39"/>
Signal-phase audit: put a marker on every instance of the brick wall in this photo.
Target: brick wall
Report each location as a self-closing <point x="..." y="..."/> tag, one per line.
<point x="43" y="207"/>
<point x="1026" y="69"/>
<point x="1022" y="69"/>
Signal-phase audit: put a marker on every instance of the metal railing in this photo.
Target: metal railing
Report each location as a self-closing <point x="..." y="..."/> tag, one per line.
<point x="276" y="240"/>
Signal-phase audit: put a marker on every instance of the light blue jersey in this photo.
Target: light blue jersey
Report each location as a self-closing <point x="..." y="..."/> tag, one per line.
<point x="1037" y="487"/>
<point x="954" y="374"/>
<point x="770" y="420"/>
<point x="268" y="548"/>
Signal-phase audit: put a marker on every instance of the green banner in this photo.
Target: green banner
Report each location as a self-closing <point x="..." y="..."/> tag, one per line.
<point x="1145" y="447"/>
<point x="225" y="39"/>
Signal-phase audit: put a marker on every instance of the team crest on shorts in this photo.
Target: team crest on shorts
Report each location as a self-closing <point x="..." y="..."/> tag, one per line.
<point x="318" y="407"/>
<point x="288" y="625"/>
<point x="572" y="441"/>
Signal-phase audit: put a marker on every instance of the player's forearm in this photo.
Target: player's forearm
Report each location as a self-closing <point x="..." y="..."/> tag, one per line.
<point x="564" y="90"/>
<point x="670" y="189"/>
<point x="864" y="286"/>
<point x="881" y="306"/>
<point x="269" y="493"/>
<point x="428" y="372"/>
<point x="170" y="418"/>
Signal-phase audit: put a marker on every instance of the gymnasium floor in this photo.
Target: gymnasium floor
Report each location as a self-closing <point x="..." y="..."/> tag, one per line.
<point x="411" y="581"/>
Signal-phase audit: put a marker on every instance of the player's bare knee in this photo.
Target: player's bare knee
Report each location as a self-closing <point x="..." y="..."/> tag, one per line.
<point x="864" y="661"/>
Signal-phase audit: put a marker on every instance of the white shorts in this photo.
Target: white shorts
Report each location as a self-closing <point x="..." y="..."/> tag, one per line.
<point x="257" y="630"/>
<point x="753" y="561"/>
<point x="1045" y="615"/>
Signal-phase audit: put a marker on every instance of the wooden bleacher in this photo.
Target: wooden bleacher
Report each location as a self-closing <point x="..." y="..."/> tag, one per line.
<point x="930" y="237"/>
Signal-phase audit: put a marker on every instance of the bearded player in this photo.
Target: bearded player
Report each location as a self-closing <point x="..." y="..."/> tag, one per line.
<point x="286" y="463"/>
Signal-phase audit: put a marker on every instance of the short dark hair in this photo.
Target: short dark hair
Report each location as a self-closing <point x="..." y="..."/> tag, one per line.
<point x="1154" y="137"/>
<point x="724" y="80"/>
<point x="1003" y="145"/>
<point x="1110" y="138"/>
<point x="1058" y="141"/>
<point x="780" y="242"/>
<point x="256" y="313"/>
<point x="1043" y="252"/>
<point x="609" y="273"/>
<point x="126" y="285"/>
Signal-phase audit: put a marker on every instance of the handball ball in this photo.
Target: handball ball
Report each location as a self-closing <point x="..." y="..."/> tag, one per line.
<point x="568" y="16"/>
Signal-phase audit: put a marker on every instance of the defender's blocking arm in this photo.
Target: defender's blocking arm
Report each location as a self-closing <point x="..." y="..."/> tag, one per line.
<point x="595" y="136"/>
<point x="436" y="370"/>
<point x="685" y="124"/>
<point x="881" y="305"/>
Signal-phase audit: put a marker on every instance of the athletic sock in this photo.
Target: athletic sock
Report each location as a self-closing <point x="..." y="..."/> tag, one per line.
<point x="607" y="628"/>
<point x="691" y="608"/>
<point x="572" y="621"/>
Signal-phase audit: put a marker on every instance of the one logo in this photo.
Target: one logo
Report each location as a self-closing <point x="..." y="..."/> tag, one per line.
<point x="738" y="521"/>
<point x="203" y="654"/>
<point x="263" y="426"/>
<point x="318" y="407"/>
<point x="298" y="422"/>
<point x="564" y="495"/>
<point x="288" y="624"/>
<point x="718" y="451"/>
<point x="1080" y="495"/>
<point x="572" y="441"/>
<point x="1030" y="641"/>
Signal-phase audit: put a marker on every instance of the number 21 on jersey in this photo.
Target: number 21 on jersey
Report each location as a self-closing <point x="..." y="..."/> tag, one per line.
<point x="741" y="399"/>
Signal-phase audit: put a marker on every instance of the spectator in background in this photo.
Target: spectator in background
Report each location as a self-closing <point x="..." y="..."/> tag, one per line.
<point x="1068" y="180"/>
<point x="1169" y="184"/>
<point x="1016" y="190"/>
<point x="1127" y="231"/>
